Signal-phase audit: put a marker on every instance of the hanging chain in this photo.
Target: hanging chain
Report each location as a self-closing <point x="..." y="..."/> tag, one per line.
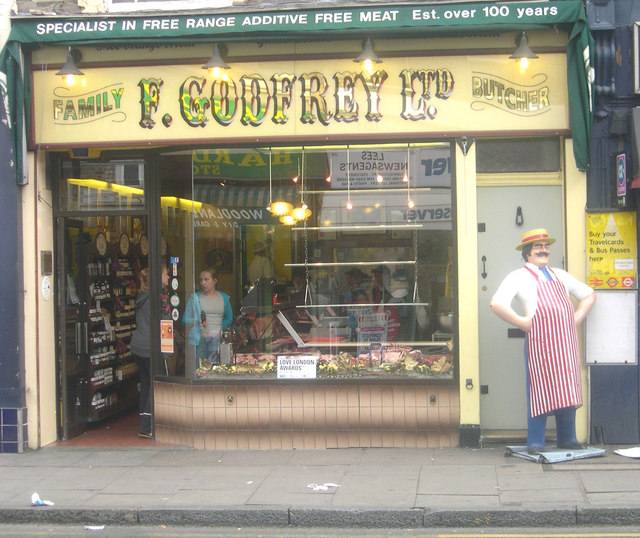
<point x="307" y="291"/>
<point x="415" y="265"/>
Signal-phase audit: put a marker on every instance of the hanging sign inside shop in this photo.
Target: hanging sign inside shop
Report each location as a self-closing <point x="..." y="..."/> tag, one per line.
<point x="380" y="169"/>
<point x="290" y="99"/>
<point x="166" y="336"/>
<point x="611" y="250"/>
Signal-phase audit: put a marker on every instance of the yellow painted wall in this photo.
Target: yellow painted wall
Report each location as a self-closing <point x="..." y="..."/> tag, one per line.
<point x="466" y="207"/>
<point x="40" y="337"/>
<point x="575" y="199"/>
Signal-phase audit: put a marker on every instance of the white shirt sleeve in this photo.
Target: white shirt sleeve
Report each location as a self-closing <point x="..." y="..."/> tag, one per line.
<point x="518" y="290"/>
<point x="575" y="287"/>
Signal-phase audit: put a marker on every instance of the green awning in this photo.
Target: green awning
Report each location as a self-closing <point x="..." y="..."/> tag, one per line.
<point x="371" y="20"/>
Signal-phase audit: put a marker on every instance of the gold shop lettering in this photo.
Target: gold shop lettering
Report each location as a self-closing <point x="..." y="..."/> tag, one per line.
<point x="251" y="98"/>
<point x="508" y="96"/>
<point x="88" y="106"/>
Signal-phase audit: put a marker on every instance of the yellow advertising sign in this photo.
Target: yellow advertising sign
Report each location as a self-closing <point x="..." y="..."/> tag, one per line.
<point x="307" y="99"/>
<point x="611" y="250"/>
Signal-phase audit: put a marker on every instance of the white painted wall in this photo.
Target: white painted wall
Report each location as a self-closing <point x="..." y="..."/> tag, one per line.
<point x="5" y="23"/>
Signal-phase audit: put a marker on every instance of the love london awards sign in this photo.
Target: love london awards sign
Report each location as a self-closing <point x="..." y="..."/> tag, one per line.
<point x="297" y="367"/>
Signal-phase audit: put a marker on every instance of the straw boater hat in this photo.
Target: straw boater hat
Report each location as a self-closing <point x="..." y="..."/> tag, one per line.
<point x="539" y="234"/>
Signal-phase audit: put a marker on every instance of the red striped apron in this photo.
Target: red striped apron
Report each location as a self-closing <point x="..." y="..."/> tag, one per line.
<point x="552" y="344"/>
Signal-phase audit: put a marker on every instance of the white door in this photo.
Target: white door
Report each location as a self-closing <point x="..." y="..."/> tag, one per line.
<point x="505" y="213"/>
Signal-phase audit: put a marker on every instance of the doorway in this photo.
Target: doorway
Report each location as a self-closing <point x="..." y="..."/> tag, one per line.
<point x="504" y="213"/>
<point x="102" y="243"/>
<point x="100" y="259"/>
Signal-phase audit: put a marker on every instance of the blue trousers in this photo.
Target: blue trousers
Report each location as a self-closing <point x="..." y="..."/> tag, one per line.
<point x="565" y="419"/>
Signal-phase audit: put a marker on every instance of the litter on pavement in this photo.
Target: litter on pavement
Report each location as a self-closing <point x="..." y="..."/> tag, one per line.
<point x="554" y="455"/>
<point x="629" y="452"/>
<point x="323" y="487"/>
<point x="37" y="501"/>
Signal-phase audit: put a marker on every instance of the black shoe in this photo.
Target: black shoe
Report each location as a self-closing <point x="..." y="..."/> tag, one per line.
<point x="535" y="450"/>
<point x="572" y="446"/>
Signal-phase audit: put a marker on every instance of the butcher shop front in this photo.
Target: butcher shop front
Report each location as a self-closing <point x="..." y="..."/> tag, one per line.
<point x="316" y="215"/>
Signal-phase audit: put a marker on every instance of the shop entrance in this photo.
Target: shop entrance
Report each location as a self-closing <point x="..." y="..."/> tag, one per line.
<point x="504" y="213"/>
<point x="98" y="271"/>
<point x="102" y="244"/>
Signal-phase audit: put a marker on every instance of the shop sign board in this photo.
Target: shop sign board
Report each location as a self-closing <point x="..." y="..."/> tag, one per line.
<point x="434" y="16"/>
<point x="297" y="367"/>
<point x="611" y="250"/>
<point x="271" y="100"/>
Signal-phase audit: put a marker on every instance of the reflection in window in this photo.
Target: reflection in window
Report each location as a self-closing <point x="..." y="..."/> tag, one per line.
<point x="359" y="277"/>
<point x="96" y="185"/>
<point x="518" y="155"/>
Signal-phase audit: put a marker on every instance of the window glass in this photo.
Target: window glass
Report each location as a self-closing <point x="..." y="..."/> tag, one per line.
<point x="518" y="155"/>
<point x="325" y="262"/>
<point x="93" y="185"/>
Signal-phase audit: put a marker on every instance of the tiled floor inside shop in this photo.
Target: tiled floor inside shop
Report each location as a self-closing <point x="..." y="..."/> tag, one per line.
<point x="118" y="431"/>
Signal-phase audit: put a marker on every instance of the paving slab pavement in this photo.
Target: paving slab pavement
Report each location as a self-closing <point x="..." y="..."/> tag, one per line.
<point x="385" y="487"/>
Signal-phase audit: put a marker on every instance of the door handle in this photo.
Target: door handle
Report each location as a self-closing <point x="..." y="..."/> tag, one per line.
<point x="484" y="266"/>
<point x="519" y="217"/>
<point x="78" y="337"/>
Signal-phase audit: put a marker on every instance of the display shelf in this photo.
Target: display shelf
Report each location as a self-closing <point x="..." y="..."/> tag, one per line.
<point x="126" y="371"/>
<point x="101" y="338"/>
<point x="110" y="295"/>
<point x="105" y="405"/>
<point x="358" y="227"/>
<point x="102" y="356"/>
<point x="352" y="264"/>
<point x="365" y="305"/>
<point x="100" y="290"/>
<point x="101" y="378"/>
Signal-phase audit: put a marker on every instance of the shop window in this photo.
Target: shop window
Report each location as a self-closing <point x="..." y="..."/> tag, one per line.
<point x="518" y="155"/>
<point x="353" y="279"/>
<point x="96" y="185"/>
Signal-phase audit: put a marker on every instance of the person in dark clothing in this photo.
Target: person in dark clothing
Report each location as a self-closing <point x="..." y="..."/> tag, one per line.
<point x="140" y="347"/>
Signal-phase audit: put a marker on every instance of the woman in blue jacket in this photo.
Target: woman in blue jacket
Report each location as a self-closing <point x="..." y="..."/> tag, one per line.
<point x="208" y="311"/>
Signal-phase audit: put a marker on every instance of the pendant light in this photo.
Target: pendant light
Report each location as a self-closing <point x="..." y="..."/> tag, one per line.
<point x="279" y="208"/>
<point x="410" y="203"/>
<point x="367" y="57"/>
<point x="302" y="212"/>
<point x="270" y="183"/>
<point x="328" y="178"/>
<point x="216" y="64"/>
<point x="523" y="53"/>
<point x="70" y="70"/>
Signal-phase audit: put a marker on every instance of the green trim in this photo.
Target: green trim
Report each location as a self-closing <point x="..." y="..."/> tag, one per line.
<point x="428" y="18"/>
<point x="433" y="19"/>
